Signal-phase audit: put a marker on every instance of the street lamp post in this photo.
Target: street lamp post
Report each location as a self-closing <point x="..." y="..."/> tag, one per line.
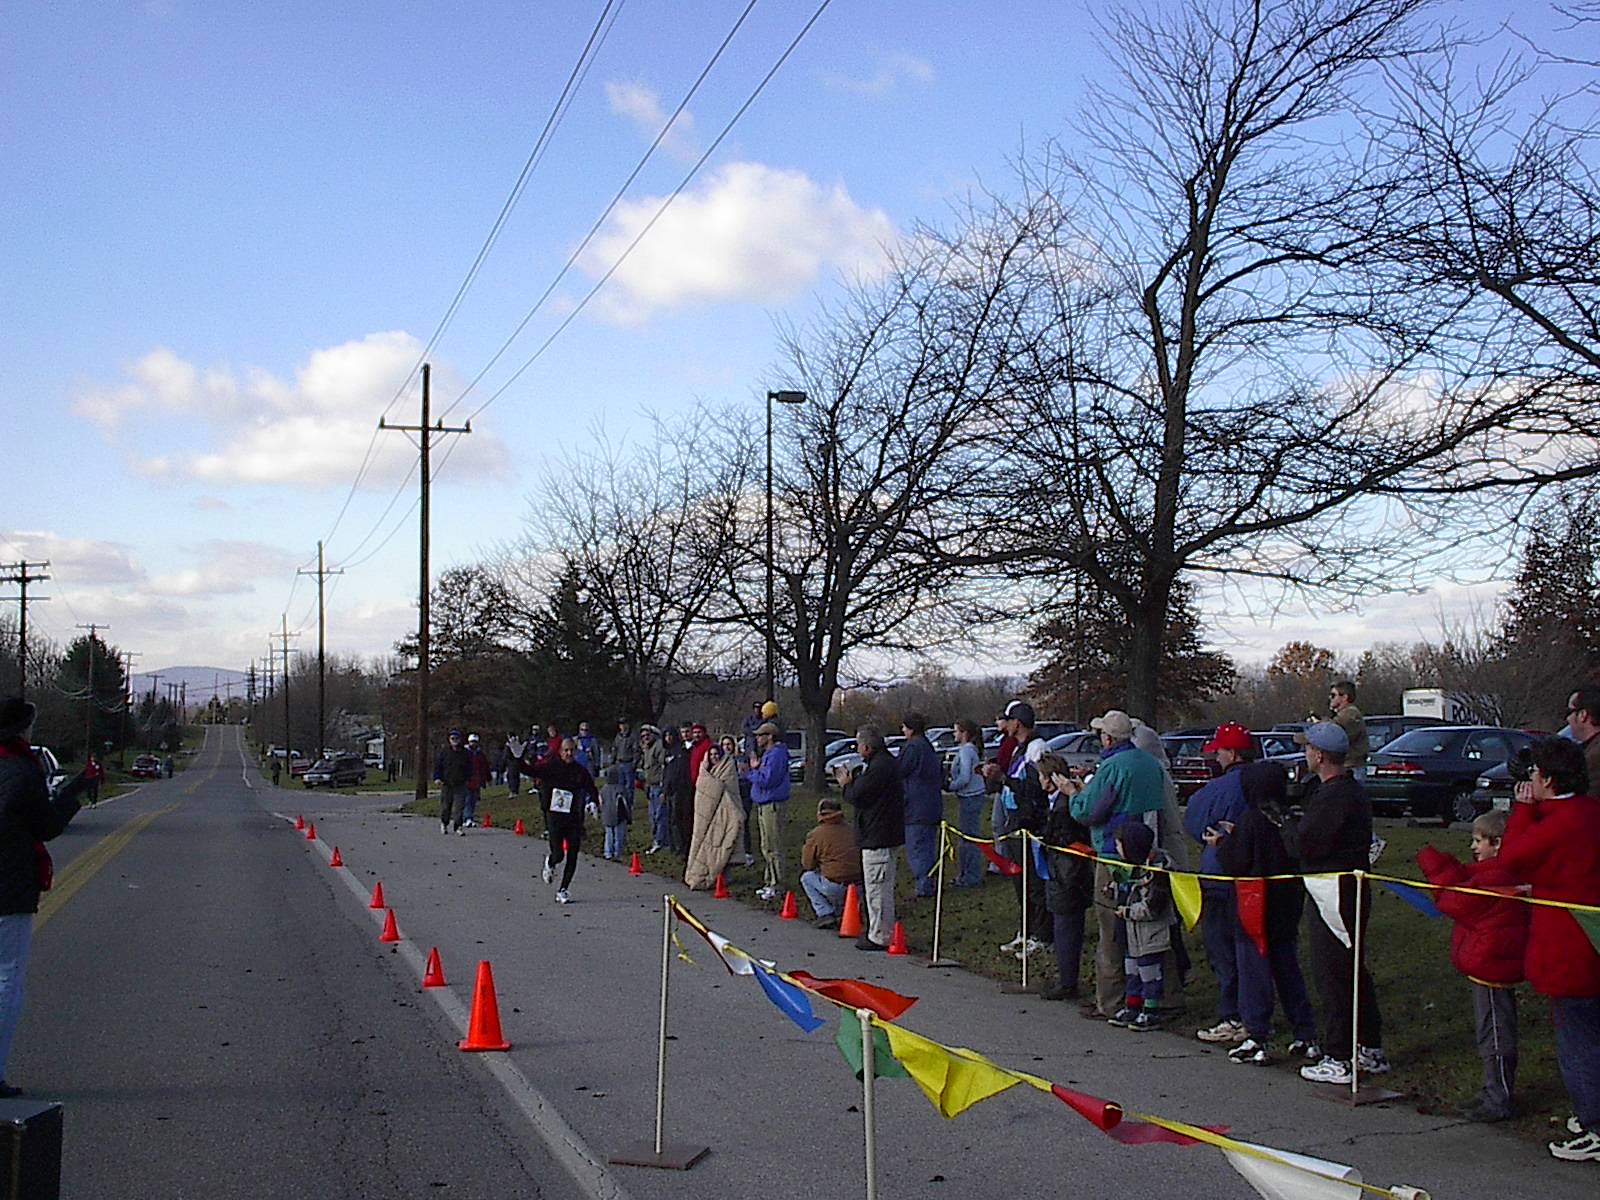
<point x="772" y="641"/>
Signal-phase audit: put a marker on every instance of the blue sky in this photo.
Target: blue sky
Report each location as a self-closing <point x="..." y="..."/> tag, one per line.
<point x="230" y="228"/>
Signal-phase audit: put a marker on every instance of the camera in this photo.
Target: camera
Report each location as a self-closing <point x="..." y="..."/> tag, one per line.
<point x="1520" y="767"/>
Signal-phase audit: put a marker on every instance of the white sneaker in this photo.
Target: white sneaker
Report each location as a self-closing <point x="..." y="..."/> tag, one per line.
<point x="1585" y="1147"/>
<point x="547" y="874"/>
<point x="654" y="846"/>
<point x="461" y="831"/>
<point x="444" y="828"/>
<point x="1573" y="1126"/>
<point x="1375" y="850"/>
<point x="1012" y="946"/>
<point x="1309" y="1051"/>
<point x="1329" y="1070"/>
<point x="468" y="823"/>
<point x="562" y="897"/>
<point x="1223" y="1031"/>
<point x="1250" y="1051"/>
<point x="1033" y="946"/>
<point x="1373" y="1061"/>
<point x="766" y="893"/>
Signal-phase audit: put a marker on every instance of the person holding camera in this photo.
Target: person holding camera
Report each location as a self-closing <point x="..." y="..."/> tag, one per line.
<point x="29" y="817"/>
<point x="1552" y="844"/>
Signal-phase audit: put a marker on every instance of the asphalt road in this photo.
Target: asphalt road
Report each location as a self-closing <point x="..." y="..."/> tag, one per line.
<point x="218" y="1021"/>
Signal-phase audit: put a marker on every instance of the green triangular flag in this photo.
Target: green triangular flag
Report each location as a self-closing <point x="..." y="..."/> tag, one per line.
<point x="848" y="1038"/>
<point x="1589" y="920"/>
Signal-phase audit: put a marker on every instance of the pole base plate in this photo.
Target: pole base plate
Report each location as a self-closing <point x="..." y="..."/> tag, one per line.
<point x="674" y="1156"/>
<point x="1366" y="1093"/>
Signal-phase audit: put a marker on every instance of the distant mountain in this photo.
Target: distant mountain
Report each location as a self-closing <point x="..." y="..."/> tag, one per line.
<point x="202" y="682"/>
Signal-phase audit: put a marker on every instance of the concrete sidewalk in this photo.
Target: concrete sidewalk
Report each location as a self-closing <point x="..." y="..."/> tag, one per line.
<point x="578" y="989"/>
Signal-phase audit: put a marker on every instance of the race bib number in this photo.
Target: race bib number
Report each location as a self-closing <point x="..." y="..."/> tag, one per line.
<point x="561" y="800"/>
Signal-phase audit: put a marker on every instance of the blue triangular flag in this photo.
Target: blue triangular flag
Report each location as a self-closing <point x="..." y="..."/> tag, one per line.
<point x="1040" y="867"/>
<point x="1415" y="898"/>
<point x="791" y="1001"/>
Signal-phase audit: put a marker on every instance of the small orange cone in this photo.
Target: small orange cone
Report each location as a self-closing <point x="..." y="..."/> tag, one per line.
<point x="299" y="823"/>
<point x="377" y="895"/>
<point x="789" y="912"/>
<point x="488" y="820"/>
<point x="850" y="918"/>
<point x="390" y="933"/>
<point x="897" y="940"/>
<point x="720" y="892"/>
<point x="633" y="865"/>
<point x="433" y="974"/>
<point x="518" y="829"/>
<point x="311" y="832"/>
<point x="336" y="861"/>
<point x="483" y="1030"/>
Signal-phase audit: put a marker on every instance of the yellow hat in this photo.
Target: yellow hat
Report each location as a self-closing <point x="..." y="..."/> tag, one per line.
<point x="769" y="709"/>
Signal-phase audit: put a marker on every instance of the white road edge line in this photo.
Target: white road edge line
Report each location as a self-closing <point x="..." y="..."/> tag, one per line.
<point x="587" y="1169"/>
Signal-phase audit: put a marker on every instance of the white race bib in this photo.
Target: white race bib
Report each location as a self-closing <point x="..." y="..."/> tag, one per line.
<point x="560" y="800"/>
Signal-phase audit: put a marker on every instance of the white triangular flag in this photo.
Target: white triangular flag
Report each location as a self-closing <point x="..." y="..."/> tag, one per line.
<point x="1295" y="1176"/>
<point x="1324" y="889"/>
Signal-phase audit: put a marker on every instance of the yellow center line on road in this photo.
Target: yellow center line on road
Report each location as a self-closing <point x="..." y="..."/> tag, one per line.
<point x="88" y="864"/>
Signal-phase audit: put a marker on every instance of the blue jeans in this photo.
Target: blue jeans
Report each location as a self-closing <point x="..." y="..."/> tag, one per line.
<point x="470" y="805"/>
<point x="16" y="936"/>
<point x="922" y="852"/>
<point x="969" y="859"/>
<point x="1069" y="946"/>
<point x="616" y="839"/>
<point x="1219" y="925"/>
<point x="1256" y="978"/>
<point x="1144" y="979"/>
<point x="660" y="829"/>
<point x="1577" y="1021"/>
<point x="826" y="896"/>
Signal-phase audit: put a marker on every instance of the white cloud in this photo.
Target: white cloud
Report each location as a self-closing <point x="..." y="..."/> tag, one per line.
<point x="893" y="69"/>
<point x="750" y="233"/>
<point x="642" y="106"/>
<point x="75" y="560"/>
<point x="225" y="568"/>
<point x="251" y="427"/>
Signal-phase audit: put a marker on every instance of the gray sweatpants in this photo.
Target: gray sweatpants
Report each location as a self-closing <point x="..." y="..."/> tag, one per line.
<point x="1495" y="1009"/>
<point x="452" y="797"/>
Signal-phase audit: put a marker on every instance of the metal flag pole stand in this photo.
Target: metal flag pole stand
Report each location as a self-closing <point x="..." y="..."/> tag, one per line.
<point x="868" y="1114"/>
<point x="936" y="959"/>
<point x="1359" y="1093"/>
<point x="673" y="1156"/>
<point x="1020" y="989"/>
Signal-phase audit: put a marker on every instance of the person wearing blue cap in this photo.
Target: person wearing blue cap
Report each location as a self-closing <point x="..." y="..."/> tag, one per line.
<point x="1334" y="836"/>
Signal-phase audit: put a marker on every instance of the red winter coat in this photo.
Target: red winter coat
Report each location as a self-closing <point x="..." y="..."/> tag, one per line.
<point x="1490" y="940"/>
<point x="697" y="755"/>
<point x="1555" y="846"/>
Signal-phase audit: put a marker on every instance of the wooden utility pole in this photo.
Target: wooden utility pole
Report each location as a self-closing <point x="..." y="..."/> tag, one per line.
<point x="423" y="431"/>
<point x="88" y="709"/>
<point x="127" y="702"/>
<point x="288" y="735"/>
<point x="17" y="573"/>
<point x="322" y="657"/>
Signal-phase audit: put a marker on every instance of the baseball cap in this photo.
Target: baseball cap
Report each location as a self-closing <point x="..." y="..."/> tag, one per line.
<point x="1116" y="725"/>
<point x="455" y="733"/>
<point x="1326" y="736"/>
<point x="1021" y="710"/>
<point x="1005" y="713"/>
<point x="1230" y="735"/>
<point x="472" y="739"/>
<point x="767" y="727"/>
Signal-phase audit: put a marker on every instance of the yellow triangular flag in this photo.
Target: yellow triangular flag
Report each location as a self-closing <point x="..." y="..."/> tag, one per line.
<point x="953" y="1078"/>
<point x="1186" y="897"/>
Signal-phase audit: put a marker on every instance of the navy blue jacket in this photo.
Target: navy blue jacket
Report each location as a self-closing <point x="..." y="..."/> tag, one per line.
<point x="920" y="774"/>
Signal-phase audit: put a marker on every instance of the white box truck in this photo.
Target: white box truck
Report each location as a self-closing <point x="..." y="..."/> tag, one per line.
<point x="1449" y="707"/>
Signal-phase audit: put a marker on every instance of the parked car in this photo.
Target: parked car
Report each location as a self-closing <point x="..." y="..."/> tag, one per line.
<point x="835" y="746"/>
<point x="146" y="766"/>
<point x="1494" y="789"/>
<point x="1384" y="729"/>
<point x="854" y="762"/>
<point x="1052" y="729"/>
<point x="1432" y="772"/>
<point x="54" y="776"/>
<point x="1080" y="748"/>
<point x="1192" y="768"/>
<point x="299" y="764"/>
<point x="341" y="770"/>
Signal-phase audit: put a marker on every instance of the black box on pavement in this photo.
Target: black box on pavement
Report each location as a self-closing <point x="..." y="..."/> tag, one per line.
<point x="30" y="1150"/>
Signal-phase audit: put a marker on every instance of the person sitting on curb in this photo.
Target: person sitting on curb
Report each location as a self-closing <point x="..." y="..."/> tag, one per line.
<point x="830" y="861"/>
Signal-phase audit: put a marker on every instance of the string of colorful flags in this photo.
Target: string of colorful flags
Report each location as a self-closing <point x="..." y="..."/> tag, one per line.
<point x="955" y="1078"/>
<point x="1250" y="891"/>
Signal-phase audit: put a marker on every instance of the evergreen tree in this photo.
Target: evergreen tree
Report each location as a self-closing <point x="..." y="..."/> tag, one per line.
<point x="92" y="679"/>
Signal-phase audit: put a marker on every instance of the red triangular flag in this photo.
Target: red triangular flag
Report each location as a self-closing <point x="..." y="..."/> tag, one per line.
<point x="1007" y="867"/>
<point x="1107" y="1116"/>
<point x="1104" y="1115"/>
<point x="888" y="1005"/>
<point x="1251" y="897"/>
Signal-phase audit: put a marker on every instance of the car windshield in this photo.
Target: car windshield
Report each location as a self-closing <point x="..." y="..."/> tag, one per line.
<point x="323" y="764"/>
<point x="1183" y="747"/>
<point x="1426" y="741"/>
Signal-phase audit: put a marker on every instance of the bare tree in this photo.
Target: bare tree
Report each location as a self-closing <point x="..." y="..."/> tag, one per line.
<point x="649" y="527"/>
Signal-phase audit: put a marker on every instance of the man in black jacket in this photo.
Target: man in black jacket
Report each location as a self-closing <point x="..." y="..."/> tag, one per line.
<point x="880" y="805"/>
<point x="28" y="818"/>
<point x="451" y="770"/>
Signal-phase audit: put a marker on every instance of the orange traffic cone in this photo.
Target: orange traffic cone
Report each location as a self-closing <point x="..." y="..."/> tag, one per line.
<point x="789" y="912"/>
<point x="483" y="1031"/>
<point x="336" y="861"/>
<point x="897" y="940"/>
<point x="433" y="974"/>
<point x="518" y="829"/>
<point x="488" y="820"/>
<point x="720" y="892"/>
<point x="299" y="823"/>
<point x="390" y="933"/>
<point x="311" y="832"/>
<point x="850" y="918"/>
<point x="633" y="865"/>
<point x="377" y="895"/>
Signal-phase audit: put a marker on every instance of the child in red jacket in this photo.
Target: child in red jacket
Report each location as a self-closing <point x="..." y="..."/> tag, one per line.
<point x="1487" y="946"/>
